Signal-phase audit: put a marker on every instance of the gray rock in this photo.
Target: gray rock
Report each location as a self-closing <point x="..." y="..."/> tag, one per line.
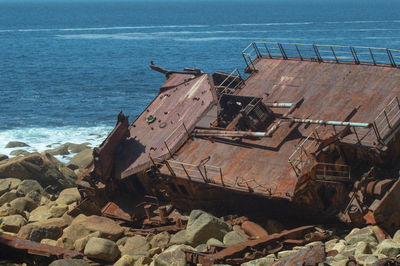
<point x="260" y="262"/>
<point x="61" y="150"/>
<point x="19" y="152"/>
<point x="8" y="184"/>
<point x="160" y="240"/>
<point x="77" y="148"/>
<point x="49" y="242"/>
<point x="396" y="236"/>
<point x="204" y="227"/>
<point x="23" y="204"/>
<point x="179" y="238"/>
<point x="80" y="244"/>
<point x="83" y="160"/>
<point x="125" y="260"/>
<point x="371" y="259"/>
<point x="389" y="248"/>
<point x="363" y="248"/>
<point x="12" y="223"/>
<point x="8" y="196"/>
<point x="233" y="238"/>
<point x="40" y="213"/>
<point x="136" y="245"/>
<point x="103" y="249"/>
<point x="58" y="210"/>
<point x="14" y="144"/>
<point x="51" y="229"/>
<point x="3" y="157"/>
<point x="365" y="234"/>
<point x="69" y="262"/>
<point x="68" y="196"/>
<point x="143" y="261"/>
<point x="213" y="241"/>
<point x="173" y="256"/>
<point x="29" y="185"/>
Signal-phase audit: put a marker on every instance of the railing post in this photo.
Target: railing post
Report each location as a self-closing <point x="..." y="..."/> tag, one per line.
<point x="245" y="60"/>
<point x="317" y="53"/>
<point x="187" y="132"/>
<point x="334" y="55"/>
<point x="282" y="51"/>
<point x="298" y="51"/>
<point x="251" y="61"/>
<point x="377" y="134"/>
<point x="372" y="56"/>
<point x="354" y="53"/>
<point x="168" y="148"/>
<point x="222" y="180"/>
<point x="170" y="168"/>
<point x="256" y="49"/>
<point x="392" y="62"/>
<point x="266" y="48"/>
<point x="387" y="119"/>
<point x="187" y="174"/>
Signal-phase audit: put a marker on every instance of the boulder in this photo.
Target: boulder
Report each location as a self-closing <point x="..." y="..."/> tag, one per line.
<point x="389" y="248"/>
<point x="339" y="246"/>
<point x="285" y="253"/>
<point x="58" y="210"/>
<point x="19" y="152"/>
<point x="142" y="261"/>
<point x="80" y="244"/>
<point x="43" y="168"/>
<point x="83" y="160"/>
<point x="15" y="144"/>
<point x="213" y="241"/>
<point x="265" y="261"/>
<point x="204" y="227"/>
<point x="29" y="185"/>
<point x="396" y="236"/>
<point x="3" y="157"/>
<point x="83" y="225"/>
<point x="19" y="205"/>
<point x="365" y="234"/>
<point x="233" y="238"/>
<point x="69" y="262"/>
<point x="363" y="248"/>
<point x="125" y="260"/>
<point x="8" y="184"/>
<point x="49" y="242"/>
<point x="160" y="240"/>
<point x="179" y="238"/>
<point x="51" y="229"/>
<point x="173" y="256"/>
<point x="103" y="249"/>
<point x="40" y="213"/>
<point x="61" y="150"/>
<point x="12" y="223"/>
<point x="136" y="245"/>
<point x="68" y="196"/>
<point x="8" y="196"/>
<point x="77" y="148"/>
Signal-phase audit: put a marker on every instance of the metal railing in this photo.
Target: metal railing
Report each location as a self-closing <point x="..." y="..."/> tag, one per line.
<point x="321" y="53"/>
<point x="176" y="135"/>
<point x="332" y="172"/>
<point x="225" y="86"/>
<point x="299" y="157"/>
<point x="386" y="120"/>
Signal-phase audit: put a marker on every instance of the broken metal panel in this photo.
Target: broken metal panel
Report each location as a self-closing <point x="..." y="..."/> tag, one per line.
<point x="36" y="249"/>
<point x="175" y="112"/>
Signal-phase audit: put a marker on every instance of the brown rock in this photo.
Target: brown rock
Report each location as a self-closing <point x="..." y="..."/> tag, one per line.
<point x="68" y="196"/>
<point x="13" y="223"/>
<point x="14" y="144"/>
<point x="103" y="249"/>
<point x="136" y="245"/>
<point x="83" y="160"/>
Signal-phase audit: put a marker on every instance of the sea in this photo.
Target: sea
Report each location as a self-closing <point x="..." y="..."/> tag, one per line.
<point x="67" y="68"/>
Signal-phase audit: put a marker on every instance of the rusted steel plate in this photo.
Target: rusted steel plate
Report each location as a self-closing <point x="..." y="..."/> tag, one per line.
<point x="112" y="210"/>
<point x="164" y="125"/>
<point x="267" y="244"/>
<point x="330" y="92"/>
<point x="308" y="256"/>
<point x="34" y="248"/>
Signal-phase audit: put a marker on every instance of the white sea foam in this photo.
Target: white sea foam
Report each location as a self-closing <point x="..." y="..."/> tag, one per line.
<point x="39" y="138"/>
<point x="206" y="39"/>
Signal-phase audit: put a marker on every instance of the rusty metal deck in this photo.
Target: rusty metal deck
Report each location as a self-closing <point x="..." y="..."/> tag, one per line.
<point x="330" y="92"/>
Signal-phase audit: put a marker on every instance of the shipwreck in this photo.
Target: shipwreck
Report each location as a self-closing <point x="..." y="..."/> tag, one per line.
<point x="311" y="132"/>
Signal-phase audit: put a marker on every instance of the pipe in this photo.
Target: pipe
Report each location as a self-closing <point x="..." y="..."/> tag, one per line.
<point x="333" y="123"/>
<point x="227" y="133"/>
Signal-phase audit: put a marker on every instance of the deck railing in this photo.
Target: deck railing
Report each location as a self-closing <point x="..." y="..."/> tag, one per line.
<point x="231" y="83"/>
<point x="321" y="53"/>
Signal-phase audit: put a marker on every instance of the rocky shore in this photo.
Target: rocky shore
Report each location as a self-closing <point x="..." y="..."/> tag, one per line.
<point x="37" y="191"/>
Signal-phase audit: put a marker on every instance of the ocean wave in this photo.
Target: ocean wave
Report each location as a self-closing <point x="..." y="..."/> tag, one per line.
<point x="266" y="24"/>
<point x="206" y="39"/>
<point x="41" y="139"/>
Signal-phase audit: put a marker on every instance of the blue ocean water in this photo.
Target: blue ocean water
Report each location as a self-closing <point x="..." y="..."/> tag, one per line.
<point x="68" y="68"/>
